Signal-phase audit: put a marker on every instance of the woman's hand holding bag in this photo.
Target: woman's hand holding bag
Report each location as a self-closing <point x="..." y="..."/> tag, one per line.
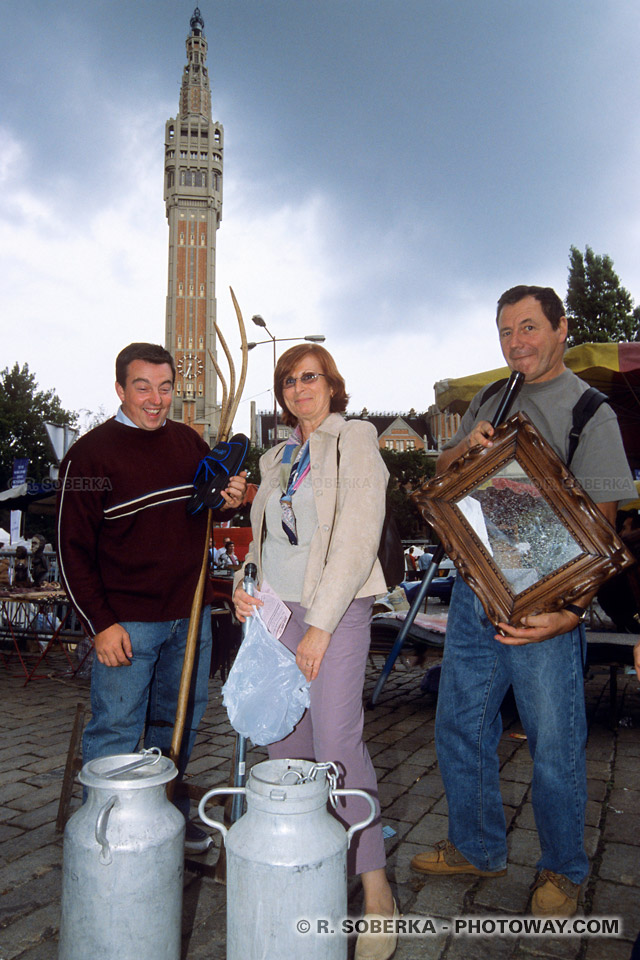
<point x="265" y="693"/>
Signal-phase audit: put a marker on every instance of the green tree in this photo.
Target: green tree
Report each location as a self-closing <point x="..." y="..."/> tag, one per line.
<point x="599" y="309"/>
<point x="251" y="465"/>
<point x="407" y="471"/>
<point x="23" y="412"/>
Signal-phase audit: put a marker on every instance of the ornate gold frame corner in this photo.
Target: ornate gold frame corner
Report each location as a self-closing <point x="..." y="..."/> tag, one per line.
<point x="603" y="553"/>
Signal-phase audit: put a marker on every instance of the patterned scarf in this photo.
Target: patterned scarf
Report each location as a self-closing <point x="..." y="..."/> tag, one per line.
<point x="291" y="478"/>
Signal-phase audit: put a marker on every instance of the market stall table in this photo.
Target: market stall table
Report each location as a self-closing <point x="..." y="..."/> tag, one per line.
<point x="42" y="620"/>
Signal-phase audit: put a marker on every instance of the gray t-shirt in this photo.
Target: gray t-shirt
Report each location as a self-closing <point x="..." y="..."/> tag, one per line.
<point x="599" y="463"/>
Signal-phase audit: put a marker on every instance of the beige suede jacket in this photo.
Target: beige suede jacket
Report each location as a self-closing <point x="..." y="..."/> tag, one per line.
<point x="343" y="560"/>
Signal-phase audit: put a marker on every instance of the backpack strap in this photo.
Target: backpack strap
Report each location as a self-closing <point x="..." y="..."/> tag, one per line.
<point x="492" y="389"/>
<point x="584" y="409"/>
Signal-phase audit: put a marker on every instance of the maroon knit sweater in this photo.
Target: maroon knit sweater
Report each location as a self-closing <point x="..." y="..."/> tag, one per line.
<point x="127" y="548"/>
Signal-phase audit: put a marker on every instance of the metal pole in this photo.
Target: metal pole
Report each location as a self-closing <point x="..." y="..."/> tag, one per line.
<point x="240" y="766"/>
<point x="427" y="577"/>
<point x="311" y="337"/>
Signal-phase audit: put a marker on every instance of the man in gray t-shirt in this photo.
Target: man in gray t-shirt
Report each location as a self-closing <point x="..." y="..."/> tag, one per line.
<point x="542" y="657"/>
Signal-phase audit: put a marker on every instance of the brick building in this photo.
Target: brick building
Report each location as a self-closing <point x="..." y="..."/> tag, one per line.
<point x="443" y="425"/>
<point x="193" y="152"/>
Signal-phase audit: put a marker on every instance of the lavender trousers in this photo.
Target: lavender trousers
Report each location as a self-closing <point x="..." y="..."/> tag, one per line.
<point x="331" y="729"/>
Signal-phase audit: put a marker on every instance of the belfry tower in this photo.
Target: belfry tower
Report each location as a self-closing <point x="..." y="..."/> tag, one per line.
<point x="193" y="195"/>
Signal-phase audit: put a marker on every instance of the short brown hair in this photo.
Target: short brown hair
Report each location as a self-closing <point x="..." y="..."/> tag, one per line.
<point x="287" y="363"/>
<point x="149" y="352"/>
<point x="551" y="304"/>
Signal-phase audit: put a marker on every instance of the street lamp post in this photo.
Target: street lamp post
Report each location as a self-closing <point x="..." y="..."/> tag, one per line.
<point x="312" y="337"/>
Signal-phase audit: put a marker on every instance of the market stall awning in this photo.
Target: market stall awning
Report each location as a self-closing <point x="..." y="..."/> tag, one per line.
<point x="614" y="368"/>
<point x="42" y="497"/>
<point x="633" y="504"/>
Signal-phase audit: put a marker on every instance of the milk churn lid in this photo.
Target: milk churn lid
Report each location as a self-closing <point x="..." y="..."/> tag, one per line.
<point x="129" y="771"/>
<point x="289" y="778"/>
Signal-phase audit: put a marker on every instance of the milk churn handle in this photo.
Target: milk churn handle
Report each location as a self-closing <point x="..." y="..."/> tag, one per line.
<point x="212" y="793"/>
<point x="332" y="776"/>
<point x="101" y="831"/>
<point x="363" y="823"/>
<point x="147" y="758"/>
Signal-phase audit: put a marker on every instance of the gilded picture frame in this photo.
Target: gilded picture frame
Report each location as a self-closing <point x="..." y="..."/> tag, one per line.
<point x="519" y="527"/>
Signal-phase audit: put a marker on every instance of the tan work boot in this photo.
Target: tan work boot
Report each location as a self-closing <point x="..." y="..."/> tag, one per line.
<point x="444" y="858"/>
<point x="554" y="895"/>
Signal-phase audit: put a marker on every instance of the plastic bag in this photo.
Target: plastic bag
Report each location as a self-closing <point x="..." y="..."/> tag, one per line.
<point x="265" y="693"/>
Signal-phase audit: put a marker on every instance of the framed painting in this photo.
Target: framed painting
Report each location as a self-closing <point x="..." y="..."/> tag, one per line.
<point x="519" y="527"/>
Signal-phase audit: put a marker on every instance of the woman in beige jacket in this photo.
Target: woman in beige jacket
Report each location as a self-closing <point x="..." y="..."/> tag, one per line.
<point x="316" y="521"/>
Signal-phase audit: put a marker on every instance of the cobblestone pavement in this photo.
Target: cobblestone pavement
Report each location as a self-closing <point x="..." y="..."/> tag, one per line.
<point x="34" y="736"/>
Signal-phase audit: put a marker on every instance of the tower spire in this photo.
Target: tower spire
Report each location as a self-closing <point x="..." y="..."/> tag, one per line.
<point x="195" y="95"/>
<point x="193" y="195"/>
<point x="197" y="23"/>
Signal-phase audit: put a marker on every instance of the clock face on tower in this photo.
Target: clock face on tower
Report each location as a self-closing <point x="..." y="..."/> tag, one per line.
<point x="190" y="366"/>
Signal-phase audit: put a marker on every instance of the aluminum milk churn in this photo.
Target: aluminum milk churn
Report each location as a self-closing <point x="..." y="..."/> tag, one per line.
<point x="123" y="863"/>
<point x="287" y="863"/>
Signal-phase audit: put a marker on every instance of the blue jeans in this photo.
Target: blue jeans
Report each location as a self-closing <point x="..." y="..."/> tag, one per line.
<point x="125" y="701"/>
<point x="547" y="681"/>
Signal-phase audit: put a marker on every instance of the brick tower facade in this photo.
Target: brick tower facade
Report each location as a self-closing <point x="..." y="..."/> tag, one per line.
<point x="193" y="196"/>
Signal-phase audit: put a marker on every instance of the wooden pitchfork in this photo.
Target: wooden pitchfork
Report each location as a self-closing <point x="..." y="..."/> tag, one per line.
<point x="230" y="400"/>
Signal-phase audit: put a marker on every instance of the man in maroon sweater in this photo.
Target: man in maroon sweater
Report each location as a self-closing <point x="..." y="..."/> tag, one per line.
<point x="130" y="557"/>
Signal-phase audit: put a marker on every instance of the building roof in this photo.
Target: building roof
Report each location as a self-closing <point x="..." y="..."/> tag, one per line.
<point x="384" y="421"/>
<point x="381" y="421"/>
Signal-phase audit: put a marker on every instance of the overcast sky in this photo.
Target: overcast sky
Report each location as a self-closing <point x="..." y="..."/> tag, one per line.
<point x="391" y="166"/>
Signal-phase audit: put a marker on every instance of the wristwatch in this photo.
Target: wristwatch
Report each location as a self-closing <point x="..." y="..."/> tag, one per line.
<point x="580" y="612"/>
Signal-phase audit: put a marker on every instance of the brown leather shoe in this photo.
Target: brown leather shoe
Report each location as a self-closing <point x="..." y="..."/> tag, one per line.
<point x="444" y="858"/>
<point x="554" y="895"/>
